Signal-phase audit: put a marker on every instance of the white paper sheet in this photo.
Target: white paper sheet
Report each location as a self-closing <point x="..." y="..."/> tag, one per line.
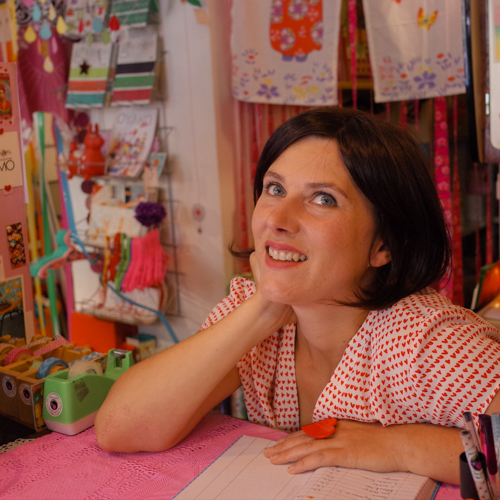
<point x="243" y="473"/>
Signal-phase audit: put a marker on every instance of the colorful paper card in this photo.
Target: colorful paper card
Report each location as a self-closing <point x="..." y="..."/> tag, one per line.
<point x="135" y="68"/>
<point x="7" y="33"/>
<point x="108" y="217"/>
<point x="85" y="16"/>
<point x="131" y="140"/>
<point x="11" y="167"/>
<point x="88" y="75"/>
<point x="5" y="96"/>
<point x="14" y="258"/>
<point x="157" y="162"/>
<point x="416" y="49"/>
<point x="15" y="241"/>
<point x="134" y="13"/>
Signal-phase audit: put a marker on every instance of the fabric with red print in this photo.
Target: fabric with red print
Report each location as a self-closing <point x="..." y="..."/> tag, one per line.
<point x="421" y="360"/>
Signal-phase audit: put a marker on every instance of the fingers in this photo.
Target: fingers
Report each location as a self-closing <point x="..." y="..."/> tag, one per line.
<point x="321" y="458"/>
<point x="284" y="444"/>
<point x="305" y="452"/>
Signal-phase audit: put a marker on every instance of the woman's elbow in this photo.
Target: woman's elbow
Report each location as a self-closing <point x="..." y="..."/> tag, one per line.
<point x="110" y="438"/>
<point x="104" y="434"/>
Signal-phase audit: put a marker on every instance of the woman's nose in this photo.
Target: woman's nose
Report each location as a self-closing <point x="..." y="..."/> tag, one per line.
<point x="285" y="216"/>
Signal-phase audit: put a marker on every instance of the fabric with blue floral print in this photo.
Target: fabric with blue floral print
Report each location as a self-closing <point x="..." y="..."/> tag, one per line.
<point x="416" y="48"/>
<point x="285" y="51"/>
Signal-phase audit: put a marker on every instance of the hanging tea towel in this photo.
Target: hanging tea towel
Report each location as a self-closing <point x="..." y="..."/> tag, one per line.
<point x="285" y="51"/>
<point x="416" y="48"/>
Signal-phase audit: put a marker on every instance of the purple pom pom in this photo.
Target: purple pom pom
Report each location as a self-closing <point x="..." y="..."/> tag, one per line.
<point x="149" y="213"/>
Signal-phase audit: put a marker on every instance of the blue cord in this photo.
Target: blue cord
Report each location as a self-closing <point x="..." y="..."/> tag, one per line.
<point x="158" y="313"/>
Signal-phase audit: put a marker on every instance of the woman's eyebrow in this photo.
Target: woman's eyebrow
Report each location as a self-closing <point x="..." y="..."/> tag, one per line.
<point x="327" y="185"/>
<point x="274" y="175"/>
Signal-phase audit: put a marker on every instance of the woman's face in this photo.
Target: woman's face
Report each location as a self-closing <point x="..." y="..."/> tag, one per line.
<point x="314" y="230"/>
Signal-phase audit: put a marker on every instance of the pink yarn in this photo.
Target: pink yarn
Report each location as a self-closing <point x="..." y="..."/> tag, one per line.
<point x="148" y="263"/>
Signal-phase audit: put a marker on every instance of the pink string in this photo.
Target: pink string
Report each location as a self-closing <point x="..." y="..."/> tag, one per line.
<point x="489" y="233"/>
<point x="352" y="47"/>
<point x="403" y="118"/>
<point x="458" y="278"/>
<point x="416" y="104"/>
<point x="442" y="169"/>
<point x="148" y="264"/>
<point x="476" y="206"/>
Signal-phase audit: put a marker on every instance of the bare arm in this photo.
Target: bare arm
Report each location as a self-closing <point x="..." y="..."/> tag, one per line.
<point x="426" y="449"/>
<point x="156" y="403"/>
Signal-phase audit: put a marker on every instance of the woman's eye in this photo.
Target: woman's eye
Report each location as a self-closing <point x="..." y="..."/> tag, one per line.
<point x="325" y="199"/>
<point x="275" y="190"/>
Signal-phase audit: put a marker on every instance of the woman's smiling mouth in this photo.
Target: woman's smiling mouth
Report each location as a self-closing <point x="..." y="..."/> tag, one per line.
<point x="285" y="255"/>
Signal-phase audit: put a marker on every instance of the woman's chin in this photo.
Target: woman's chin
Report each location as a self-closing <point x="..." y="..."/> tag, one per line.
<point x="280" y="294"/>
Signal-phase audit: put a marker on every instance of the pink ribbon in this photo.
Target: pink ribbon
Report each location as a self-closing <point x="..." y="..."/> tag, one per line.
<point x="352" y="46"/>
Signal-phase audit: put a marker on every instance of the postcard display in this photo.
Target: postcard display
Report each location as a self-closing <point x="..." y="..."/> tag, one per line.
<point x="16" y="297"/>
<point x="121" y="72"/>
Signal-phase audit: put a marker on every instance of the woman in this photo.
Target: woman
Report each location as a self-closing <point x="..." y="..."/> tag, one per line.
<point x="349" y="235"/>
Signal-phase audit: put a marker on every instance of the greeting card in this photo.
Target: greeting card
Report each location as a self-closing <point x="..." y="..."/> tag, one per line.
<point x="85" y="16"/>
<point x="136" y="13"/>
<point x="88" y="75"/>
<point x="131" y="140"/>
<point x="135" y="67"/>
<point x="11" y="168"/>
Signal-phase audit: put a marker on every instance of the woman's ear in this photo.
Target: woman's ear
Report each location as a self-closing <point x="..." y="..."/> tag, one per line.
<point x="380" y="254"/>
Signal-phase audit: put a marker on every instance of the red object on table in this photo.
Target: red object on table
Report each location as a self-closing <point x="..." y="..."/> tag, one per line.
<point x="321" y="429"/>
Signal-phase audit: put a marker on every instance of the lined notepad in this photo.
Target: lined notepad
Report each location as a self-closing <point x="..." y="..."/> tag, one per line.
<point x="242" y="472"/>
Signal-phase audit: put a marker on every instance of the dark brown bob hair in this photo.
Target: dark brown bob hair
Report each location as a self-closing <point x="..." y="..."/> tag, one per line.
<point x="388" y="166"/>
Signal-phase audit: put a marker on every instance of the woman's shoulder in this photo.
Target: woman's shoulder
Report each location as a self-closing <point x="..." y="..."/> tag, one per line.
<point x="426" y="310"/>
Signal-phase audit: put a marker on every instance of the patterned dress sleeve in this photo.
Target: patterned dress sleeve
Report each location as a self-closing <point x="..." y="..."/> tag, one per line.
<point x="449" y="364"/>
<point x="240" y="290"/>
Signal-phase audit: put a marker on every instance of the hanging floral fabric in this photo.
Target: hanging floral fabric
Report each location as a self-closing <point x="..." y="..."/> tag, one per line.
<point x="285" y="51"/>
<point x="416" y="48"/>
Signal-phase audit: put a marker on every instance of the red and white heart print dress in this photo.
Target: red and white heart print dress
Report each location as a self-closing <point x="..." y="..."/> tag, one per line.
<point x="421" y="360"/>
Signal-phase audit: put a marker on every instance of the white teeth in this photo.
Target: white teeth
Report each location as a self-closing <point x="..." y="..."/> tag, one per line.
<point x="283" y="255"/>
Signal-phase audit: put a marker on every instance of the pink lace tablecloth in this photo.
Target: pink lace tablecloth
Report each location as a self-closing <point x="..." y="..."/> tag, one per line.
<point x="59" y="467"/>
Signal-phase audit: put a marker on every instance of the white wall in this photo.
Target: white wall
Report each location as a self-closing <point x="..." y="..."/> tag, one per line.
<point x="191" y="111"/>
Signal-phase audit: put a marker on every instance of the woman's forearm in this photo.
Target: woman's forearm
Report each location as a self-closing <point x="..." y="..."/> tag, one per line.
<point x="151" y="403"/>
<point x="432" y="450"/>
